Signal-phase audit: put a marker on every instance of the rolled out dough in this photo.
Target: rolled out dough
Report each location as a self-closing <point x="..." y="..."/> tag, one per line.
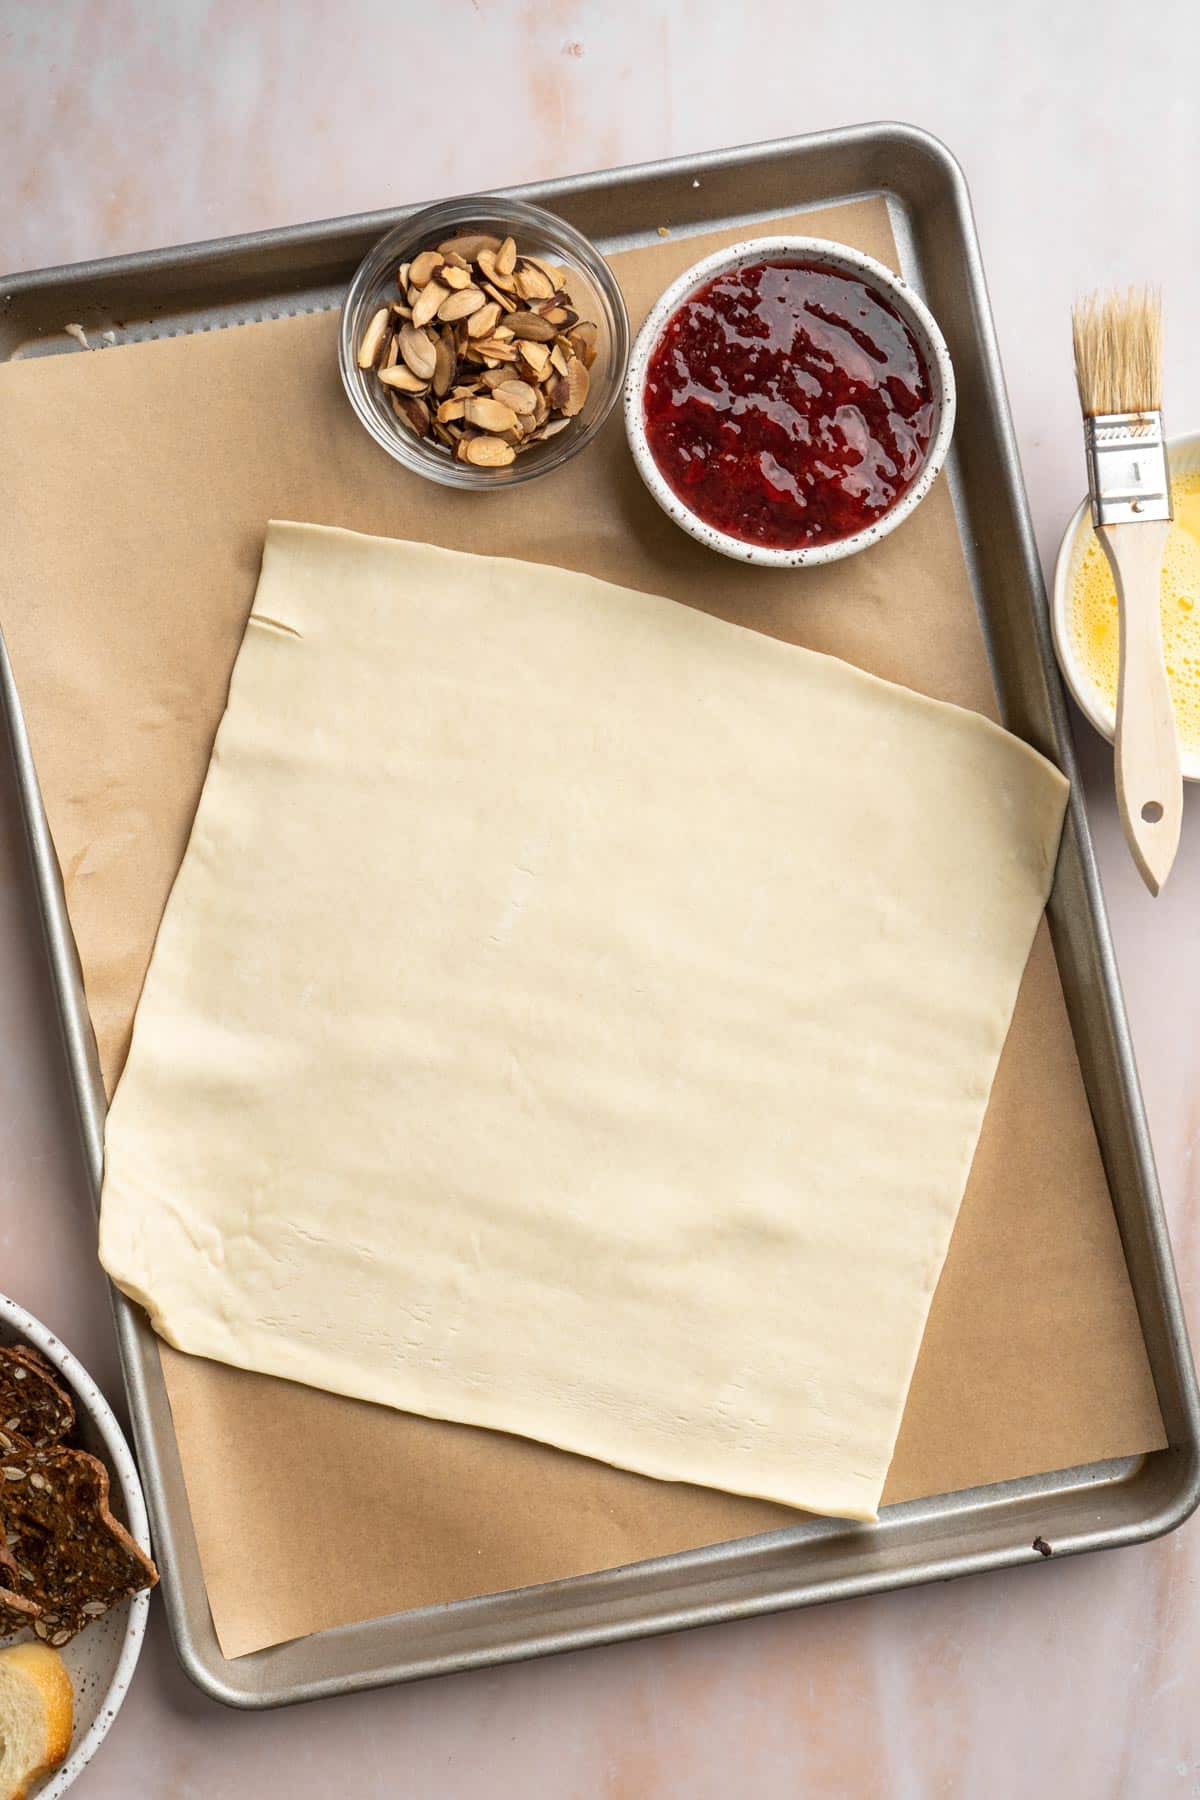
<point x="574" y="1015"/>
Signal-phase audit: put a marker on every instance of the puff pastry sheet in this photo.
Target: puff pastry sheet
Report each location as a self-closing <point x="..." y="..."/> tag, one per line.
<point x="574" y="1015"/>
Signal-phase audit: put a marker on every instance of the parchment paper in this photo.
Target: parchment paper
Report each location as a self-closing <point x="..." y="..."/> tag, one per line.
<point x="136" y="485"/>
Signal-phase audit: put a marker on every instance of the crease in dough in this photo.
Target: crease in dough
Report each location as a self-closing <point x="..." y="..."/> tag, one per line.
<point x="574" y="1015"/>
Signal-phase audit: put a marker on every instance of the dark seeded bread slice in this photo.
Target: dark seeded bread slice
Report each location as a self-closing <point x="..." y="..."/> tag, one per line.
<point x="74" y="1559"/>
<point x="31" y="1401"/>
<point x="16" y="1613"/>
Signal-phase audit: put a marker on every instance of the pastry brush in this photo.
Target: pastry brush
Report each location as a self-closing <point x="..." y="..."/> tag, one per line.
<point x="1118" y="367"/>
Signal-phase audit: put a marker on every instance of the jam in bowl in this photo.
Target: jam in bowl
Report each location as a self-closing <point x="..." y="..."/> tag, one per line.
<point x="789" y="401"/>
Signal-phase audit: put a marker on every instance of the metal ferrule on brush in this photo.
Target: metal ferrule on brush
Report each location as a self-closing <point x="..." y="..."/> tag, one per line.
<point x="1127" y="467"/>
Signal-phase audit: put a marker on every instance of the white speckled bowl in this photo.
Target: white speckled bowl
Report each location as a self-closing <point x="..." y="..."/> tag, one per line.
<point x="912" y="310"/>
<point x="100" y="1660"/>
<point x="1184" y="455"/>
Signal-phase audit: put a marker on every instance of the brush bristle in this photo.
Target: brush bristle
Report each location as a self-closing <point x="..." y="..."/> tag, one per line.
<point x="1118" y="351"/>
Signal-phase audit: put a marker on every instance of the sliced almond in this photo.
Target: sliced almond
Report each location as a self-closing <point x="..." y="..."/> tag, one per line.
<point x="497" y="349"/>
<point x="503" y="300"/>
<point x="553" y="428"/>
<point x="489" y="452"/>
<point x="450" y="410"/>
<point x="403" y="380"/>
<point x="453" y="277"/>
<point x="578" y="383"/>
<point x="532" y="284"/>
<point x="558" y="392"/>
<point x="557" y="277"/>
<point x="468" y="244"/>
<point x="461" y="305"/>
<point x="403" y="276"/>
<point x="489" y="272"/>
<point x="455" y="261"/>
<point x="506" y="257"/>
<point x="561" y="316"/>
<point x="414" y="412"/>
<point x="399" y="310"/>
<point x="516" y="394"/>
<point x="558" y="358"/>
<point x="444" y="437"/>
<point x="582" y="339"/>
<point x="535" y="355"/>
<point x="424" y="267"/>
<point x="491" y="379"/>
<point x="445" y="365"/>
<point x="531" y="325"/>
<point x="371" y="342"/>
<point x="392" y="352"/>
<point x="427" y="303"/>
<point x="490" y="415"/>
<point x="482" y="323"/>
<point x="418" y="350"/>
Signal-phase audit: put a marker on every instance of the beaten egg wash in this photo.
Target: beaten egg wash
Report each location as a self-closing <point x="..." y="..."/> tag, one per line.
<point x="1094" y="625"/>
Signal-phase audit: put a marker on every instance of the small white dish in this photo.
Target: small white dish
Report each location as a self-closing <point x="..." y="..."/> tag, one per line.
<point x="101" y="1660"/>
<point x="1183" y="454"/>
<point x="895" y="290"/>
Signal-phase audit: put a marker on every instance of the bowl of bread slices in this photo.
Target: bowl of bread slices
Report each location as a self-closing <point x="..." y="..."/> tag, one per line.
<point x="75" y="1576"/>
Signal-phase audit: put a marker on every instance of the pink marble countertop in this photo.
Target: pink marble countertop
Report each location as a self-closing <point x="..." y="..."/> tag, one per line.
<point x="129" y="125"/>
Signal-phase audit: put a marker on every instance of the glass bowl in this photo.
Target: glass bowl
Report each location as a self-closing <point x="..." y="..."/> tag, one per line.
<point x="594" y="295"/>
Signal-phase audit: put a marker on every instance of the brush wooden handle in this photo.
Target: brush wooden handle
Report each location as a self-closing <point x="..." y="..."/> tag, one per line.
<point x="1149" y="780"/>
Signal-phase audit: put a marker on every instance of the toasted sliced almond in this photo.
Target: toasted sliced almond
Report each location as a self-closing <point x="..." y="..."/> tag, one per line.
<point x="497" y="349"/>
<point x="468" y="244"/>
<point x="450" y="410"/>
<point x="506" y="257"/>
<point x="553" y="428"/>
<point x="516" y="394"/>
<point x="482" y="323"/>
<point x="489" y="272"/>
<point x="558" y="392"/>
<point x="445" y="365"/>
<point x="489" y="452"/>
<point x="424" y="267"/>
<point x="557" y="277"/>
<point x="578" y="383"/>
<point x="562" y="316"/>
<point x="426" y="305"/>
<point x="403" y="276"/>
<point x="392" y="352"/>
<point x="371" y="342"/>
<point x="399" y="310"/>
<point x="418" y="350"/>
<point x="532" y="284"/>
<point x="444" y="437"/>
<point x="535" y="355"/>
<point x="582" y="339"/>
<point x="558" y="358"/>
<point x="414" y="412"/>
<point x="530" y="325"/>
<point x="453" y="277"/>
<point x="491" y="379"/>
<point x="455" y="261"/>
<point x="503" y="300"/>
<point x="461" y="305"/>
<point x="403" y="380"/>
<point x="490" y="415"/>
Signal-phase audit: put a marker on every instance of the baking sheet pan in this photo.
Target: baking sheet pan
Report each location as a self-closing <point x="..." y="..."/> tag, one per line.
<point x="305" y="270"/>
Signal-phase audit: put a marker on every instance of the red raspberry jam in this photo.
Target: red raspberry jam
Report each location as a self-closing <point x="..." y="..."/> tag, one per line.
<point x="787" y="404"/>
